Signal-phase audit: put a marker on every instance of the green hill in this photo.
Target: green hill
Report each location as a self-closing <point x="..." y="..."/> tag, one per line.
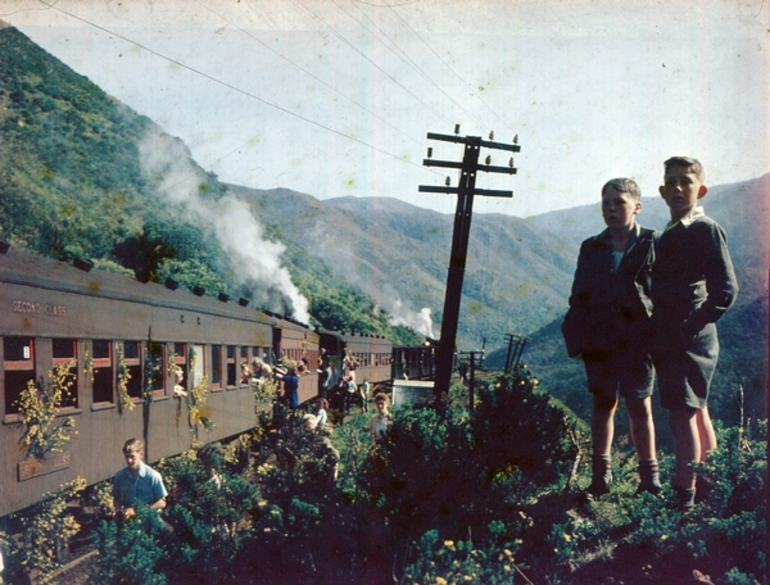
<point x="83" y="175"/>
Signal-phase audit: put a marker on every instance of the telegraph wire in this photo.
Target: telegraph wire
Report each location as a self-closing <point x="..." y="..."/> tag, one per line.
<point x="388" y="75"/>
<point x="407" y="59"/>
<point x="236" y="89"/>
<point x="448" y="66"/>
<point x="310" y="73"/>
<point x="25" y="9"/>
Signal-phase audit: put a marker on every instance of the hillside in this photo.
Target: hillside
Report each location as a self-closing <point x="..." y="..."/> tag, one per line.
<point x="516" y="279"/>
<point x="83" y="175"/>
<point x="742" y="209"/>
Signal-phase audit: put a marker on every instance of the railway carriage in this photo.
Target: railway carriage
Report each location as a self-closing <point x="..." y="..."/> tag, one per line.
<point x="371" y="353"/>
<point x="124" y="340"/>
<point x="414" y="362"/>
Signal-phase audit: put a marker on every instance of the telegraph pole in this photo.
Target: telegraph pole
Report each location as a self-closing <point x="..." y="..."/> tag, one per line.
<point x="516" y="345"/>
<point x="465" y="191"/>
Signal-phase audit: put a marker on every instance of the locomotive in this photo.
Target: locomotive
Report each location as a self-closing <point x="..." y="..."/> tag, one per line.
<point x="125" y="345"/>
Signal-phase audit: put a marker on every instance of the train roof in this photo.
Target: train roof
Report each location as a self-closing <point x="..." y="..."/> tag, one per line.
<point x="24" y="268"/>
<point x="352" y="339"/>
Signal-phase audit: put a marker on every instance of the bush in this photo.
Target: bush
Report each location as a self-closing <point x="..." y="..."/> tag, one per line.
<point x="46" y="528"/>
<point x="459" y="562"/>
<point x="132" y="553"/>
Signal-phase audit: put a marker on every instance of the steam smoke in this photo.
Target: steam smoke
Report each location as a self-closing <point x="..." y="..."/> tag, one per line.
<point x="256" y="261"/>
<point x="338" y="252"/>
<point x="420" y="322"/>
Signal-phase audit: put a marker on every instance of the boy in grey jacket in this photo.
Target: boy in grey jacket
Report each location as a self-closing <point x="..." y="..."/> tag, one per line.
<point x="693" y="285"/>
<point x="608" y="323"/>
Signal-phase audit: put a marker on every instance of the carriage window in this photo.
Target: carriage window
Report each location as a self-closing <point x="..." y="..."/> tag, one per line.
<point x="231" y="366"/>
<point x="196" y="364"/>
<point x="132" y="351"/>
<point x="64" y="353"/>
<point x="157" y="356"/>
<point x="180" y="360"/>
<point x="103" y="372"/>
<point x="19" y="369"/>
<point x="216" y="366"/>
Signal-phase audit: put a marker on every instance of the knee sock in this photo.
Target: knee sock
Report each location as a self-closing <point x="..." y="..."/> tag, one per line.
<point x="601" y="472"/>
<point x="649" y="474"/>
<point x="685" y="498"/>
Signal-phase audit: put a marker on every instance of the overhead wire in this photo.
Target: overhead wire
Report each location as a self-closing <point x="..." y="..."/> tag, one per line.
<point x="407" y="59"/>
<point x="234" y="87"/>
<point x="375" y="65"/>
<point x="448" y="66"/>
<point x="307" y="72"/>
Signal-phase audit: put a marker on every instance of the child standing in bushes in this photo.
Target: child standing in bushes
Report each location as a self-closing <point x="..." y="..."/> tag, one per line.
<point x="693" y="285"/>
<point x="136" y="482"/>
<point x="607" y="323"/>
<point x="380" y="422"/>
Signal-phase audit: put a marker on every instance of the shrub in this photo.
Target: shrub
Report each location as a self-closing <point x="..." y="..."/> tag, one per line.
<point x="132" y="552"/>
<point x="46" y="528"/>
<point x="39" y="410"/>
<point x="444" y="562"/>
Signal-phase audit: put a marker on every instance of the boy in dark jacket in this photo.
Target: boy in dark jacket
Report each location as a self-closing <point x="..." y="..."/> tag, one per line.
<point x="608" y="323"/>
<point x="693" y="285"/>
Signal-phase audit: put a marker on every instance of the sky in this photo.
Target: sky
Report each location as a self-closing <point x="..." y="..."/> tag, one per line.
<point x="336" y="97"/>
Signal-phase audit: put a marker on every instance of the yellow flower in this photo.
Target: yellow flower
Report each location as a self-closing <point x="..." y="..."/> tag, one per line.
<point x="440" y="581"/>
<point x="663" y="536"/>
<point x="449" y="543"/>
<point x="567" y="537"/>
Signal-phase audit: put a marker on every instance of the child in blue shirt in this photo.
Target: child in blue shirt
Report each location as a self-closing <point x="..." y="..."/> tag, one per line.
<point x="137" y="482"/>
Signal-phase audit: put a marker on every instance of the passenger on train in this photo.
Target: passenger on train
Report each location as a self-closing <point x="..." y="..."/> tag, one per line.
<point x="260" y="373"/>
<point x="137" y="482"/>
<point x="324" y="373"/>
<point x="290" y="387"/>
<point x="348" y="382"/>
<point x="364" y="390"/>
<point x="245" y="373"/>
<point x="323" y="358"/>
<point x="179" y="391"/>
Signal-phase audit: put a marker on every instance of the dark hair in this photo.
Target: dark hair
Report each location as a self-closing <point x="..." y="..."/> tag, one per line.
<point x="133" y="446"/>
<point x="623" y="185"/>
<point x="692" y="165"/>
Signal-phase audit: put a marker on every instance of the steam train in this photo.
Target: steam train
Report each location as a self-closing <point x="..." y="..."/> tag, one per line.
<point x="122" y="341"/>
